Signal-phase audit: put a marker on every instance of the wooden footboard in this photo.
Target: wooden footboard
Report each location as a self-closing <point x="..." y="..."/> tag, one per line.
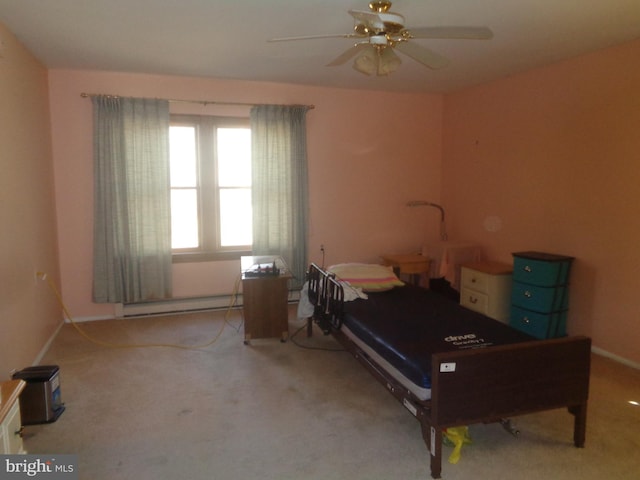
<point x="478" y="385"/>
<point x="490" y="384"/>
<point x="471" y="386"/>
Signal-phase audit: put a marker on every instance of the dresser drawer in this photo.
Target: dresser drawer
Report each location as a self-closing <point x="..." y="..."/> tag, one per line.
<point x="539" y="325"/>
<point x="474" y="279"/>
<point x="540" y="299"/>
<point x="474" y="300"/>
<point x="542" y="269"/>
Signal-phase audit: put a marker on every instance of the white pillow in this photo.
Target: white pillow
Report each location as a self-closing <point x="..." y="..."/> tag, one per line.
<point x="369" y="277"/>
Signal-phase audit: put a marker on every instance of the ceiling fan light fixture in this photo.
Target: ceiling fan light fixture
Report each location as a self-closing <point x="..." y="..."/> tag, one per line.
<point x="388" y="61"/>
<point x="377" y="61"/>
<point x="367" y="62"/>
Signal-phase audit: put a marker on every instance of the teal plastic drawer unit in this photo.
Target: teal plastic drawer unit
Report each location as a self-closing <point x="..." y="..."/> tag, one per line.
<point x="539" y="325"/>
<point x="542" y="269"/>
<point x="540" y="299"/>
<point x="540" y="293"/>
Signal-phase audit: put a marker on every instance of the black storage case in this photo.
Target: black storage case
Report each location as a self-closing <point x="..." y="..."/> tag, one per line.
<point x="40" y="401"/>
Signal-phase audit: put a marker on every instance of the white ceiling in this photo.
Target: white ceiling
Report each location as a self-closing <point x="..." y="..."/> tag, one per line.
<point x="228" y="38"/>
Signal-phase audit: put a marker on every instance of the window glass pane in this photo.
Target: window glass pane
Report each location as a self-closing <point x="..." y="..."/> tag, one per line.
<point x="234" y="157"/>
<point x="182" y="156"/>
<point x="184" y="218"/>
<point x="235" y="217"/>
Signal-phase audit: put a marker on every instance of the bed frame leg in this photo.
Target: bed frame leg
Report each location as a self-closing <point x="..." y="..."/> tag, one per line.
<point x="579" y="424"/>
<point x="309" y="326"/>
<point x="433" y="439"/>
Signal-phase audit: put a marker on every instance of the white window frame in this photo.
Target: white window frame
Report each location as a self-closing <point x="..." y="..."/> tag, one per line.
<point x="210" y="248"/>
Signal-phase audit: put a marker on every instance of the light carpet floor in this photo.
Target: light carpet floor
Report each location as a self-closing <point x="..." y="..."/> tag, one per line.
<point x="273" y="410"/>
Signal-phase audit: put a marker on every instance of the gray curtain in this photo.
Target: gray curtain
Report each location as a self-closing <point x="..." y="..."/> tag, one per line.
<point x="132" y="209"/>
<point x="279" y="185"/>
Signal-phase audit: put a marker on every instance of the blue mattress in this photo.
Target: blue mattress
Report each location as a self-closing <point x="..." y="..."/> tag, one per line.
<point x="406" y="325"/>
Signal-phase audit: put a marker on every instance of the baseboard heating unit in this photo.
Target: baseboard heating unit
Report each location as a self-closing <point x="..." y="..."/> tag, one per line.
<point x="180" y="305"/>
<point x="183" y="305"/>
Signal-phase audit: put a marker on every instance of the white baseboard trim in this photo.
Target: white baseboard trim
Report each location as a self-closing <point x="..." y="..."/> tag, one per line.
<point x="47" y="345"/>
<point x="178" y="305"/>
<point x="615" y="357"/>
<point x="185" y="305"/>
<point x="88" y="319"/>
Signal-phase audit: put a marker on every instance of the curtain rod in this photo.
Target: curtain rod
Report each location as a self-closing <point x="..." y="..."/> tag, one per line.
<point x="175" y="100"/>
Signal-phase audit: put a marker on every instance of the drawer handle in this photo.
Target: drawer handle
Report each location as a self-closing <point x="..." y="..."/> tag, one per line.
<point x="473" y="280"/>
<point x="528" y="294"/>
<point x="527" y="268"/>
<point x="473" y="300"/>
<point x="526" y="320"/>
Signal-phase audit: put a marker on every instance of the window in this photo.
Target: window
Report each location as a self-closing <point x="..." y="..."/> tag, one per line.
<point x="210" y="187"/>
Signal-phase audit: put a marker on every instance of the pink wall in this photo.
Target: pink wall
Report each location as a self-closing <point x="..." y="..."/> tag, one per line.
<point x="369" y="153"/>
<point x="29" y="311"/>
<point x="551" y="158"/>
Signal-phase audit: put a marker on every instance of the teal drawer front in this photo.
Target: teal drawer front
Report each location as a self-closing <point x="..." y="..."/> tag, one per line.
<point x="541" y="269"/>
<point x="540" y="299"/>
<point x="539" y="325"/>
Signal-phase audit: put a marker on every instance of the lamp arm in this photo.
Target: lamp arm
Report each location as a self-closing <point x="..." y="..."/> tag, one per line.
<point x="424" y="203"/>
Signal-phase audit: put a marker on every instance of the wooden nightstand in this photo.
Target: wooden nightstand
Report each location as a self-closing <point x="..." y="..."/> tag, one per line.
<point x="412" y="265"/>
<point x="265" y="302"/>
<point x="486" y="288"/>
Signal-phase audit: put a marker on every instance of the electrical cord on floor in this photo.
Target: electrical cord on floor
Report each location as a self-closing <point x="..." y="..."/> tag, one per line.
<point x="44" y="276"/>
<point x="232" y="303"/>
<point x="307" y="347"/>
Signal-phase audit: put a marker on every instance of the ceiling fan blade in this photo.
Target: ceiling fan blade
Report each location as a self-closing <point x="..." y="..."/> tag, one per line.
<point x="463" y="33"/>
<point x="313" y="37"/>
<point x="423" y="55"/>
<point x="368" y="18"/>
<point x="347" y="54"/>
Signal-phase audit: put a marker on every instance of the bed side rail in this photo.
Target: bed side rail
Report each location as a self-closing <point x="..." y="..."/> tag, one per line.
<point x="327" y="297"/>
<point x="316" y="277"/>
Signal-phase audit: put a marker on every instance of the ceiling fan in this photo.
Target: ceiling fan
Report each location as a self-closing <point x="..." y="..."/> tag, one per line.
<point x="380" y="32"/>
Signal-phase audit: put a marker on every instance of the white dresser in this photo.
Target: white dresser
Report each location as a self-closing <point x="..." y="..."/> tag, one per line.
<point x="485" y="287"/>
<point x="10" y="421"/>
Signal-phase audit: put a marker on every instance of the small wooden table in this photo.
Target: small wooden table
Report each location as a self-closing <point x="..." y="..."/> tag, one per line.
<point x="265" y="300"/>
<point x="413" y="265"/>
